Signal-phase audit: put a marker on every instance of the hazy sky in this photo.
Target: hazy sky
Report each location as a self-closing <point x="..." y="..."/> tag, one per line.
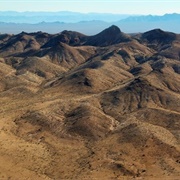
<point x="108" y="6"/>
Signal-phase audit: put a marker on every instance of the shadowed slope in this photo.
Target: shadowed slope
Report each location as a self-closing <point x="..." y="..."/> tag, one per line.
<point x="109" y="36"/>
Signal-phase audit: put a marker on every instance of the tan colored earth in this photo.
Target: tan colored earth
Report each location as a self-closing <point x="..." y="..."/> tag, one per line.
<point x="90" y="107"/>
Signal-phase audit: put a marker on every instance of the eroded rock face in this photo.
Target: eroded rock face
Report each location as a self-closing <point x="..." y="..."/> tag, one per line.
<point x="87" y="107"/>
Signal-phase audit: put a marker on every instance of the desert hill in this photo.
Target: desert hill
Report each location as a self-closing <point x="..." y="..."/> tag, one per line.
<point x="109" y="36"/>
<point x="88" y="107"/>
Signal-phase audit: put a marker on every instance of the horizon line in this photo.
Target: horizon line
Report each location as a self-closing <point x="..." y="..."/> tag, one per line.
<point x="86" y="12"/>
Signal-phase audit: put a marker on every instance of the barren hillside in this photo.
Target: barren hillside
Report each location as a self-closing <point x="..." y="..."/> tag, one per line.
<point x="90" y="107"/>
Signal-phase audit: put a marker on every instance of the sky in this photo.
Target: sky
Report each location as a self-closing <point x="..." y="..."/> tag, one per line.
<point x="154" y="7"/>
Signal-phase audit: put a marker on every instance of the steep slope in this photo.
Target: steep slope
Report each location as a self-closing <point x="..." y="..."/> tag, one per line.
<point x="107" y="37"/>
<point x="159" y="36"/>
<point x="39" y="66"/>
<point x="18" y="44"/>
<point x="65" y="55"/>
<point x="69" y="37"/>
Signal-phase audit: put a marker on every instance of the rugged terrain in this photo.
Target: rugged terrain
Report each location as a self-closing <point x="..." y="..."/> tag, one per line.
<point x="90" y="107"/>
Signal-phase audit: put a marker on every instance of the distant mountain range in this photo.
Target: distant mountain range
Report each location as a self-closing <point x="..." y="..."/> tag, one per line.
<point x="90" y="23"/>
<point x="62" y="16"/>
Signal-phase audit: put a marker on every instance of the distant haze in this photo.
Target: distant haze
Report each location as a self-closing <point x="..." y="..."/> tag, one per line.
<point x="100" y="6"/>
<point x="61" y="16"/>
<point x="88" y="23"/>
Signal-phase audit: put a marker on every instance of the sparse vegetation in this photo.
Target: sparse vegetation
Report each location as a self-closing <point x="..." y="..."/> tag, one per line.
<point x="90" y="107"/>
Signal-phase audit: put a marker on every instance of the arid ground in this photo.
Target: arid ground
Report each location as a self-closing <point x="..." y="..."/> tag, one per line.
<point x="90" y="107"/>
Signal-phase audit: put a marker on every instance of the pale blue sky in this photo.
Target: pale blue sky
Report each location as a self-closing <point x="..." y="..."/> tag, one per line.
<point x="158" y="7"/>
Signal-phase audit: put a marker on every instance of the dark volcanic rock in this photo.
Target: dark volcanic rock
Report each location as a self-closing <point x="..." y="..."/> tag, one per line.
<point x="107" y="37"/>
<point x="158" y="36"/>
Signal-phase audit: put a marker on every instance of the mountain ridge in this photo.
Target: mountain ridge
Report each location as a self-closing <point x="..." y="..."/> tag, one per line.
<point x="74" y="106"/>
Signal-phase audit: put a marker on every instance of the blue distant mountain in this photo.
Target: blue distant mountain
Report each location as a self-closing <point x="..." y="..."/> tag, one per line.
<point x="152" y="18"/>
<point x="90" y="23"/>
<point x="167" y="22"/>
<point x="62" y="16"/>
